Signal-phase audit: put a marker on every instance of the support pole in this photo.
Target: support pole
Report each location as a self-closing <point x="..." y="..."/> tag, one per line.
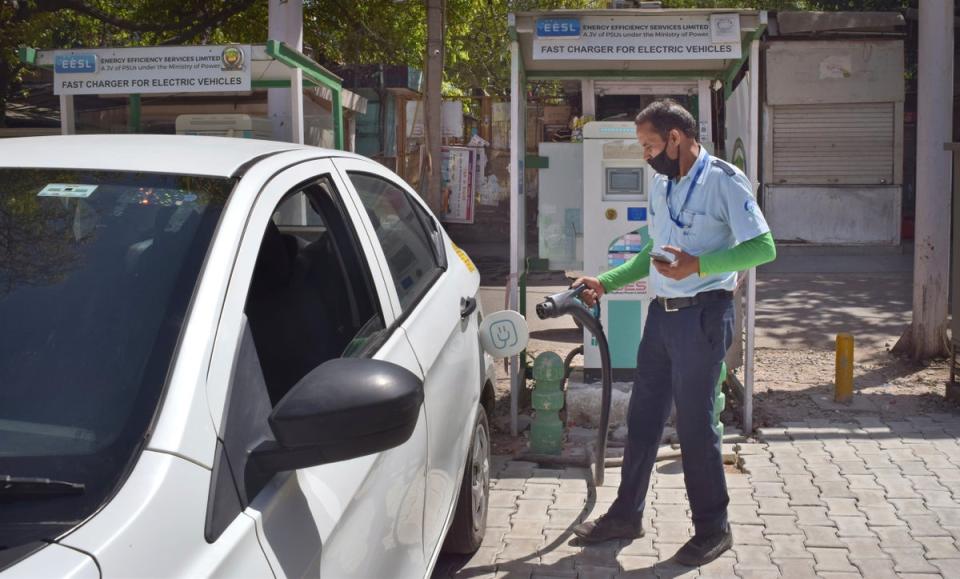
<point x="133" y="117"/>
<point x="301" y="67"/>
<point x="286" y="25"/>
<point x="927" y="334"/>
<point x="486" y="118"/>
<point x="953" y="389"/>
<point x="296" y="108"/>
<point x="705" y="114"/>
<point x="753" y="175"/>
<point x="68" y="122"/>
<point x="588" y="98"/>
<point x="518" y="109"/>
<point x="433" y="107"/>
<point x="339" y="128"/>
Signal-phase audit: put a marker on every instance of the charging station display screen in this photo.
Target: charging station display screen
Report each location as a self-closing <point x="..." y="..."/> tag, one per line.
<point x="624" y="181"/>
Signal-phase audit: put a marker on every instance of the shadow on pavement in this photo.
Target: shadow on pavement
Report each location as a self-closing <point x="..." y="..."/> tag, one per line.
<point x="808" y="311"/>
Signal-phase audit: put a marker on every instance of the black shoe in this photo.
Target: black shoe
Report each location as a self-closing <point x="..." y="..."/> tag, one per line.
<point x="607" y="528"/>
<point x="702" y="549"/>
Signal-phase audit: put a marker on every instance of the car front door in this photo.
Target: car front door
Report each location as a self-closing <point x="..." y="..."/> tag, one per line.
<point x="436" y="294"/>
<point x="304" y="290"/>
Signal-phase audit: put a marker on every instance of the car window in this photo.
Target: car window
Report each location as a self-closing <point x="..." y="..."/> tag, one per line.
<point x="430" y="224"/>
<point x="97" y="270"/>
<point x="311" y="297"/>
<point x="410" y="250"/>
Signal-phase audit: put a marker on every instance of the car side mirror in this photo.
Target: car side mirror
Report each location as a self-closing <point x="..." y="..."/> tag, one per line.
<point x="345" y="408"/>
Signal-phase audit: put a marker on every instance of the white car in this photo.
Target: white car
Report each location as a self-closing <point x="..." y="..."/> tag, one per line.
<point x="229" y="357"/>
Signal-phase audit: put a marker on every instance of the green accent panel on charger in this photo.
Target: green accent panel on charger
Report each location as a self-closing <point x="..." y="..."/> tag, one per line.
<point x="537" y="162"/>
<point x="626" y="322"/>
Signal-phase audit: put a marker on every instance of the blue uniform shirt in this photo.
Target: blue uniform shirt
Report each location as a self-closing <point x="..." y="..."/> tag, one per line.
<point x="715" y="212"/>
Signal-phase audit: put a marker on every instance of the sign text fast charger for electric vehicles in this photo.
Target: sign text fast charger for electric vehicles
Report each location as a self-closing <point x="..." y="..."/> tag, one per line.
<point x="174" y="69"/>
<point x="688" y="37"/>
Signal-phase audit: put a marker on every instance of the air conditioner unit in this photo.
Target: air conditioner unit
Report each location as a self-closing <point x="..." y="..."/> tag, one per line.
<point x="224" y="125"/>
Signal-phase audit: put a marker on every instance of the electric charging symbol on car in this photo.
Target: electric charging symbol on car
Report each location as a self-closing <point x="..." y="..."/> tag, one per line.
<point x="503" y="334"/>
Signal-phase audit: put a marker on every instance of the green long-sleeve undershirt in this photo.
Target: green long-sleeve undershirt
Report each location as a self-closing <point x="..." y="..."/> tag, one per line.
<point x="750" y="253"/>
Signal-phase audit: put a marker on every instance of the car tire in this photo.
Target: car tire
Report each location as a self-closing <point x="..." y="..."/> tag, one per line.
<point x="470" y="519"/>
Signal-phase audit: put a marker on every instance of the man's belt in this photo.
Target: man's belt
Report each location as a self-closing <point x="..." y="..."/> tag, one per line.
<point x="674" y="304"/>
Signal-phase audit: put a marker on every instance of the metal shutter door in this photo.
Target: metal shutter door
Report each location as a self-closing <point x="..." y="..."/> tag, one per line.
<point x="833" y="144"/>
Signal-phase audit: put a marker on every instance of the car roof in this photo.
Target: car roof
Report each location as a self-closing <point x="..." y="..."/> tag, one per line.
<point x="176" y="154"/>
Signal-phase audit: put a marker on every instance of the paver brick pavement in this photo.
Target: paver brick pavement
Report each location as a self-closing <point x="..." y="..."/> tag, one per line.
<point x="872" y="499"/>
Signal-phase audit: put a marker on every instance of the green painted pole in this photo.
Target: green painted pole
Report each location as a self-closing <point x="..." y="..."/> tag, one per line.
<point x="546" y="432"/>
<point x="133" y="114"/>
<point x="522" y="283"/>
<point x="337" y="118"/>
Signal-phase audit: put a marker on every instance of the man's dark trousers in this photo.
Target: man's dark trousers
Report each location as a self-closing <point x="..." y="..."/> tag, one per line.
<point x="679" y="359"/>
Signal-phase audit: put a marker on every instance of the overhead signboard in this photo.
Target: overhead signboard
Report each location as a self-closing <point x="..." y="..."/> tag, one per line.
<point x="688" y="37"/>
<point x="158" y="69"/>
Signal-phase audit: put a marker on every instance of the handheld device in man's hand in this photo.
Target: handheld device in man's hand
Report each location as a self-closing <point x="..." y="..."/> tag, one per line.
<point x="662" y="256"/>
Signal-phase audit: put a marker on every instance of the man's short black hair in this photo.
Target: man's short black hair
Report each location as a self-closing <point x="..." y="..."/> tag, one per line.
<point x="665" y="115"/>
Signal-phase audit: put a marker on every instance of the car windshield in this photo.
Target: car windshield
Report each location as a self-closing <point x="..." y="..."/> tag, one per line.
<point x="96" y="272"/>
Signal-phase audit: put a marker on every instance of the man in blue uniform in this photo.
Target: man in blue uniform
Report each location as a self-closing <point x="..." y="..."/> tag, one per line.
<point x="705" y="227"/>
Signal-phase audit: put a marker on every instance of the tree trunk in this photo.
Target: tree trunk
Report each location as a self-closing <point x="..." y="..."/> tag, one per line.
<point x="926" y="336"/>
<point x="433" y="104"/>
<point x="6" y="74"/>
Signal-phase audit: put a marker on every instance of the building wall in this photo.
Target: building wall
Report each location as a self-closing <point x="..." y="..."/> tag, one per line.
<point x="834" y="71"/>
<point x="833" y="140"/>
<point x="849" y="215"/>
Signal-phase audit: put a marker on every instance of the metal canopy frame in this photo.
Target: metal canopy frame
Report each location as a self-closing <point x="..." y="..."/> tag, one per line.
<point x="273" y="65"/>
<point x="524" y="69"/>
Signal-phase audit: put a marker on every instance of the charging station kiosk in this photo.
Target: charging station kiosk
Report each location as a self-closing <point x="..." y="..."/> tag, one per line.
<point x="615" y="185"/>
<point x="636" y="55"/>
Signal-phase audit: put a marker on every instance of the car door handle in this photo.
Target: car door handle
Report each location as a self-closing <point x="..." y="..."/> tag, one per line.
<point x="467" y="307"/>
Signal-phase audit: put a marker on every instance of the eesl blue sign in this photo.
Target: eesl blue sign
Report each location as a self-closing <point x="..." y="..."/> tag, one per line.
<point x="558" y="27"/>
<point x="68" y="63"/>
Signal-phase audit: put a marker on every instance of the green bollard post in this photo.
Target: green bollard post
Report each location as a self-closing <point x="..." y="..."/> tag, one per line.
<point x="546" y="432"/>
<point x="719" y="401"/>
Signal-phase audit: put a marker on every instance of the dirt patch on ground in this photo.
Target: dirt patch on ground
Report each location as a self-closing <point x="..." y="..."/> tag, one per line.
<point x="791" y="385"/>
<point x="796" y="385"/>
<point x="799" y="316"/>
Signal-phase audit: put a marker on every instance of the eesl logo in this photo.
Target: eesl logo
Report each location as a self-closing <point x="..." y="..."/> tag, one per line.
<point x="558" y="27"/>
<point x="73" y="63"/>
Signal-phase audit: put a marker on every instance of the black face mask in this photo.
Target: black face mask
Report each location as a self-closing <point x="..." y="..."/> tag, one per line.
<point x="665" y="165"/>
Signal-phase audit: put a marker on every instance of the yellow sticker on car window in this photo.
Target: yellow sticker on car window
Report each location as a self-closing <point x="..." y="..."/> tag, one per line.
<point x="464" y="257"/>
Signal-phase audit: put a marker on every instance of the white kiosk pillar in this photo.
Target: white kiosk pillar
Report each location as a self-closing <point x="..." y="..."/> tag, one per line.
<point x="705" y="114"/>
<point x="285" y="106"/>
<point x="752" y="172"/>
<point x="518" y="238"/>
<point x="68" y="117"/>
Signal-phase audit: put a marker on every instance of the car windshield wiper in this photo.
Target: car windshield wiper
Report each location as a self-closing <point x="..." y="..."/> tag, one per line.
<point x="25" y="486"/>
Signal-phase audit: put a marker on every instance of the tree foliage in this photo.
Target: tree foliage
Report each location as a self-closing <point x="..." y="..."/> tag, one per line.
<point x="477" y="44"/>
<point x="340" y="32"/>
<point x="63" y="24"/>
<point x="816" y="5"/>
<point x="370" y="32"/>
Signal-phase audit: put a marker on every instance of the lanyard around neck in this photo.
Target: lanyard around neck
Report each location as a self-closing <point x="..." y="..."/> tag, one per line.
<point x="693" y="185"/>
